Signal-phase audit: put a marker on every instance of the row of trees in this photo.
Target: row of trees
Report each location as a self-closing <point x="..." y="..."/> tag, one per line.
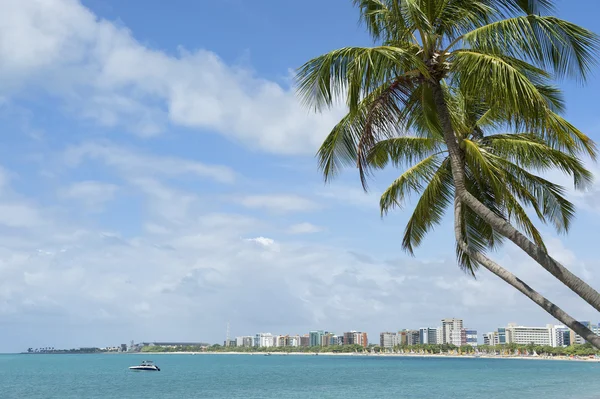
<point x="505" y="350"/>
<point x="460" y="95"/>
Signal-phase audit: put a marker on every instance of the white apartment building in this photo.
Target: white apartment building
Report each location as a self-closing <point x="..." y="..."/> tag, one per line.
<point x="388" y="340"/>
<point x="526" y="335"/>
<point x="449" y="325"/>
<point x="264" y="340"/>
<point x="456" y="337"/>
<point x="294" y="340"/>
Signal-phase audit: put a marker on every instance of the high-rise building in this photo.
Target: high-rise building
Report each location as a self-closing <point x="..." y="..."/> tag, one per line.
<point x="265" y="340"/>
<point x="387" y="339"/>
<point x="402" y="338"/>
<point x="316" y="337"/>
<point x="490" y="338"/>
<point x="562" y="336"/>
<point x="457" y="337"/>
<point x="294" y="340"/>
<point x="356" y="338"/>
<point x="428" y="336"/>
<point x="305" y="340"/>
<point x="327" y="339"/>
<point x="363" y="340"/>
<point x="246" y="341"/>
<point x="449" y="325"/>
<point x="530" y="335"/>
<point x="470" y="337"/>
<point x="412" y="337"/>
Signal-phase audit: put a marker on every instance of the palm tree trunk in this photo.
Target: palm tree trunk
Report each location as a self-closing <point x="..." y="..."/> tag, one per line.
<point x="517" y="283"/>
<point x="577" y="285"/>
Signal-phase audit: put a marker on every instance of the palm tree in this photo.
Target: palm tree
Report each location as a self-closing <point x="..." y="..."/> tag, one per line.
<point x="489" y="55"/>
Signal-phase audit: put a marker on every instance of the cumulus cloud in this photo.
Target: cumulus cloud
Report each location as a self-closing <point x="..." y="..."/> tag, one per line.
<point x="102" y="72"/>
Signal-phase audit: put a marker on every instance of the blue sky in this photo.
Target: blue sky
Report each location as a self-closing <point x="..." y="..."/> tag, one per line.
<point x="158" y="179"/>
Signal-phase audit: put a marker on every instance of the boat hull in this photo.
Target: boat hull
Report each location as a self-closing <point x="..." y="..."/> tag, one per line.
<point x="144" y="368"/>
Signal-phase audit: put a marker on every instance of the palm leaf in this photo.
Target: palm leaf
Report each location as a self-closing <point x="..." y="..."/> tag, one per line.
<point x="353" y="72"/>
<point x="430" y="207"/>
<point x="554" y="44"/>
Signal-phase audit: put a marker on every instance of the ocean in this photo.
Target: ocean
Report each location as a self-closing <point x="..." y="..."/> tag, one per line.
<point x="107" y="376"/>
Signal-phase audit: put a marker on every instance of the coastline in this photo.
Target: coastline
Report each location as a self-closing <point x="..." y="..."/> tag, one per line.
<point x="401" y="355"/>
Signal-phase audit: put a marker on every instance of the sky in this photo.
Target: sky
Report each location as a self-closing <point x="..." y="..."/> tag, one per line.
<point x="158" y="180"/>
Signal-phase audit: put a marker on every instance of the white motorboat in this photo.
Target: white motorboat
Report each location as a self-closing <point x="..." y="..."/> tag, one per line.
<point x="147" y="365"/>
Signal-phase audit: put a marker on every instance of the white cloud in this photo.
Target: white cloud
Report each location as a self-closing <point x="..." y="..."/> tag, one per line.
<point x="264" y="241"/>
<point x="135" y="164"/>
<point x="279" y="203"/>
<point x="19" y="215"/>
<point x="102" y="72"/>
<point x="304" y="228"/>
<point x="92" y="194"/>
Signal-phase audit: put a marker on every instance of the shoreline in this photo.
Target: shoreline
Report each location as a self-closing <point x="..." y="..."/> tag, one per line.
<point x="401" y="355"/>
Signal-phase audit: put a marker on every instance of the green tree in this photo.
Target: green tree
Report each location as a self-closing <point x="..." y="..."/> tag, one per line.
<point x="452" y="72"/>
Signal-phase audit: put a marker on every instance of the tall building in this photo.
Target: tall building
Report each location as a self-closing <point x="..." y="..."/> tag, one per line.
<point x="327" y="339"/>
<point x="362" y="339"/>
<point x="316" y="337"/>
<point x="356" y="338"/>
<point x="449" y="325"/>
<point x="305" y="340"/>
<point x="294" y="340"/>
<point x="246" y="341"/>
<point x="562" y="336"/>
<point x="265" y="340"/>
<point x="412" y="337"/>
<point x="457" y="337"/>
<point x="531" y="335"/>
<point x="428" y="336"/>
<point x="387" y="340"/>
<point x="489" y="338"/>
<point x="471" y="337"/>
<point x="402" y="338"/>
<point x="281" y="340"/>
<point x="439" y="336"/>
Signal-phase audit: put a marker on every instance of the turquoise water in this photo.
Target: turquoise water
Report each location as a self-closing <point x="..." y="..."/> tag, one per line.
<point x="286" y="377"/>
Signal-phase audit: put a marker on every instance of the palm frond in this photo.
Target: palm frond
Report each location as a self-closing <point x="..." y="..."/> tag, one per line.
<point x="530" y="152"/>
<point x="384" y="20"/>
<point x="430" y="207"/>
<point x="546" y="198"/>
<point x="413" y="180"/>
<point x="353" y="72"/>
<point x="402" y="151"/>
<point x="483" y="170"/>
<point x="377" y="117"/>
<point x="499" y="81"/>
<point x="552" y="43"/>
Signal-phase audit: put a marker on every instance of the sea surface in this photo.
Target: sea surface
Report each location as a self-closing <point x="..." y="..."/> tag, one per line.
<point x="285" y="377"/>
